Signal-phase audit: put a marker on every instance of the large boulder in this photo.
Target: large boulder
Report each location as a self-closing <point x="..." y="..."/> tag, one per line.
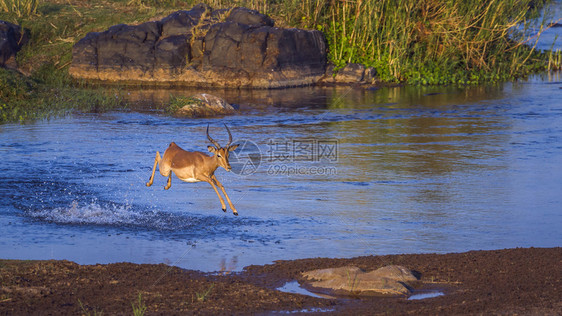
<point x="12" y="38"/>
<point x="201" y="47"/>
<point x="350" y="280"/>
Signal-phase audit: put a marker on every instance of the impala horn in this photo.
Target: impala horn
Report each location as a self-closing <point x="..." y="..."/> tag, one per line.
<point x="229" y="136"/>
<point x="214" y="142"/>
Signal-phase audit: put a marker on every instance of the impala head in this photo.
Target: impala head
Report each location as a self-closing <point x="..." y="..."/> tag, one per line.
<point x="221" y="153"/>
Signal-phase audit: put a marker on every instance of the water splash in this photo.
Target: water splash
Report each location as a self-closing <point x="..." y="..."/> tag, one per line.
<point x="136" y="218"/>
<point x="118" y="215"/>
<point x="89" y="213"/>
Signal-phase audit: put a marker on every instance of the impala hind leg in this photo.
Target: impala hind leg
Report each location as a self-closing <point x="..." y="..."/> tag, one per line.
<point x="234" y="211"/>
<point x="212" y="182"/>
<point x="156" y="162"/>
<point x="169" y="183"/>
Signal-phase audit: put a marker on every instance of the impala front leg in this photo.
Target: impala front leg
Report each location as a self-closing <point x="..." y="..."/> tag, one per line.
<point x="212" y="182"/>
<point x="234" y="211"/>
<point x="156" y="162"/>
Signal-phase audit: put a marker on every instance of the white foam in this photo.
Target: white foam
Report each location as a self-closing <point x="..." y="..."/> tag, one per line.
<point x="90" y="213"/>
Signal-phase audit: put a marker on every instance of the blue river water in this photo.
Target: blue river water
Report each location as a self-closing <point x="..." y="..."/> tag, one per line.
<point x="320" y="172"/>
<point x="333" y="172"/>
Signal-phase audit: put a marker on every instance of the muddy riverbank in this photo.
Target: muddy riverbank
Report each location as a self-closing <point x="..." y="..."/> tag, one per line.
<point x="510" y="281"/>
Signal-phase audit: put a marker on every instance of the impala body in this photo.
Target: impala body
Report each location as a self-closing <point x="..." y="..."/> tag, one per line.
<point x="195" y="166"/>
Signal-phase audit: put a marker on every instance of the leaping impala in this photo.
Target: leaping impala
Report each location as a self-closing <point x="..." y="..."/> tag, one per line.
<point x="195" y="166"/>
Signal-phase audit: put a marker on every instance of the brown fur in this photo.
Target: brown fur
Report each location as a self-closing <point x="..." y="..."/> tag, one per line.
<point x="195" y="166"/>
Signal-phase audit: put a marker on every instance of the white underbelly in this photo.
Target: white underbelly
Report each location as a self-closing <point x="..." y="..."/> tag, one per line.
<point x="189" y="180"/>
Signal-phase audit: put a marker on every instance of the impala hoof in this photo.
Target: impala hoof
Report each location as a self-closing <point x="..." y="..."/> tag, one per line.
<point x="224" y="210"/>
<point x="235" y="213"/>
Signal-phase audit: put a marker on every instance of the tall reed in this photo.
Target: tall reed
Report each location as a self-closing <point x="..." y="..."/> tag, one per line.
<point x="21" y="8"/>
<point x="425" y="41"/>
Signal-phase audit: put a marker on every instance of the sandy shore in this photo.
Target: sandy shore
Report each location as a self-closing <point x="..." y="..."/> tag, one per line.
<point x="525" y="281"/>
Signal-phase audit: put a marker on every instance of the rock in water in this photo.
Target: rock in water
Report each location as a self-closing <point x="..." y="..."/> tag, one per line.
<point x="201" y="47"/>
<point x="389" y="280"/>
<point x="204" y="105"/>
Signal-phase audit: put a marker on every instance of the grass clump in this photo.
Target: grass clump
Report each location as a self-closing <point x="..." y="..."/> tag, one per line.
<point x="201" y="296"/>
<point x="20" y="8"/>
<point x="431" y="41"/>
<point x="139" y="308"/>
<point x="177" y="102"/>
<point x="46" y="94"/>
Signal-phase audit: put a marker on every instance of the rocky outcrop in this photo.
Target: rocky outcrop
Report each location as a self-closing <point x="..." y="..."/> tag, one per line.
<point x="12" y="38"/>
<point x="350" y="280"/>
<point x="203" y="105"/>
<point x="201" y="47"/>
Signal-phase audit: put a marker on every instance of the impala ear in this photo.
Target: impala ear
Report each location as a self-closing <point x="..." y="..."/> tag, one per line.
<point x="233" y="147"/>
<point x="211" y="149"/>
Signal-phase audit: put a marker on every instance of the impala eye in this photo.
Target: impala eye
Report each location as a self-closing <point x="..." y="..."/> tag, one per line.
<point x="219" y="155"/>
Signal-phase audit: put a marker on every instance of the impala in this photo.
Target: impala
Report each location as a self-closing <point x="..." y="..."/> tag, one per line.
<point x="195" y="166"/>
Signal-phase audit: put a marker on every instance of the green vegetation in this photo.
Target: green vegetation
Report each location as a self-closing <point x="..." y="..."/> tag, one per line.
<point x="178" y="102"/>
<point x="417" y="42"/>
<point x="20" y="8"/>
<point x="201" y="296"/>
<point x="46" y="94"/>
<point x="140" y="308"/>
<point x="431" y="41"/>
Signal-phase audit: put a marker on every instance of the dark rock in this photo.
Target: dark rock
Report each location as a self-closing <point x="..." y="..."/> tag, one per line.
<point x="12" y="38"/>
<point x="182" y="22"/>
<point x="201" y="47"/>
<point x="249" y="17"/>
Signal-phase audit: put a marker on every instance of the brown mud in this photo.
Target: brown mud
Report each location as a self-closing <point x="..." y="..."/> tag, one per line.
<point x="524" y="281"/>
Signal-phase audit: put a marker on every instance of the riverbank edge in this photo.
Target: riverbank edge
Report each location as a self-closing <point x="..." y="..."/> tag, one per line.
<point x="518" y="280"/>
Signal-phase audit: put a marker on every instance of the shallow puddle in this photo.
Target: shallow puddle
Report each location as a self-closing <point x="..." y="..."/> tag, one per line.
<point x="295" y="288"/>
<point x="424" y="295"/>
<point x="306" y="310"/>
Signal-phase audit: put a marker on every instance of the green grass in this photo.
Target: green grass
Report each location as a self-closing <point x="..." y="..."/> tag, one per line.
<point x="417" y="42"/>
<point x="139" y="308"/>
<point x="202" y="296"/>
<point x="430" y="41"/>
<point x="20" y="8"/>
<point x="178" y="102"/>
<point x="47" y="94"/>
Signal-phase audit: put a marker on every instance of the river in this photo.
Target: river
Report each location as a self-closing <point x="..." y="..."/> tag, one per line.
<point x="321" y="172"/>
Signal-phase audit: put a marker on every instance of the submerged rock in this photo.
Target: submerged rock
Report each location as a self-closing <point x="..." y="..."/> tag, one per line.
<point x="350" y="280"/>
<point x="201" y="47"/>
<point x="12" y="38"/>
<point x="204" y="105"/>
